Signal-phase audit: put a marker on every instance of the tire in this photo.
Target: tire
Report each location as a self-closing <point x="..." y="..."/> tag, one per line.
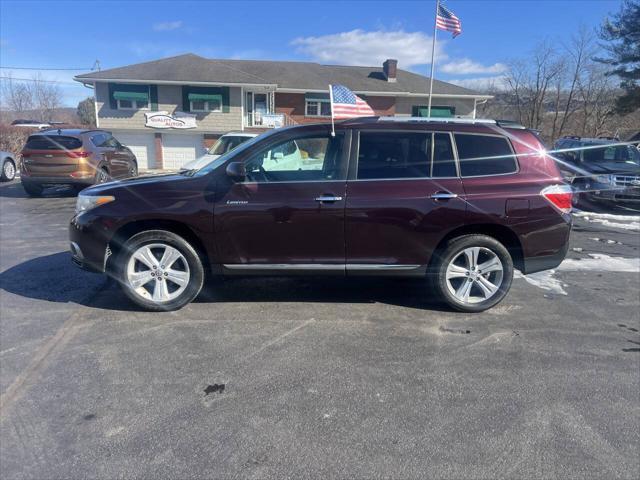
<point x="455" y="281"/>
<point x="32" y="189"/>
<point x="8" y="172"/>
<point x="134" y="265"/>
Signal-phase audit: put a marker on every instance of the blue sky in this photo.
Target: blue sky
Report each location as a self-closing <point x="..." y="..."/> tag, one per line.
<point x="72" y="34"/>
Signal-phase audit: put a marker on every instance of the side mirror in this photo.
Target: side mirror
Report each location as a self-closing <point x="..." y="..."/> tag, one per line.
<point x="236" y="171"/>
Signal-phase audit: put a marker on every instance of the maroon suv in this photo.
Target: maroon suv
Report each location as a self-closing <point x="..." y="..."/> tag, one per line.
<point x="460" y="202"/>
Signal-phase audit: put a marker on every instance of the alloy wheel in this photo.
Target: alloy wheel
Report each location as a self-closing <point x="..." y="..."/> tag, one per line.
<point x="158" y="272"/>
<point x="474" y="275"/>
<point x="9" y="170"/>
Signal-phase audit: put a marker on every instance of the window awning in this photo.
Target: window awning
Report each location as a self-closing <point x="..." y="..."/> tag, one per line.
<point x="316" y="97"/>
<point x="205" y="97"/>
<point x="139" y="96"/>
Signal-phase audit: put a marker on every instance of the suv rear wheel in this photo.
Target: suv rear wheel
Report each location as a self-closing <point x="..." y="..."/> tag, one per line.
<point x="32" y="189"/>
<point x="473" y="273"/>
<point x="159" y="270"/>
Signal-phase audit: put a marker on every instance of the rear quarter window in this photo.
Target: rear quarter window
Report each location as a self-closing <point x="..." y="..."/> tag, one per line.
<point x="52" y="142"/>
<point x="482" y="155"/>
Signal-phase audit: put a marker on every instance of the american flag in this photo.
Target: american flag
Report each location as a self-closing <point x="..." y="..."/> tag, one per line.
<point x="447" y="20"/>
<point x="346" y="104"/>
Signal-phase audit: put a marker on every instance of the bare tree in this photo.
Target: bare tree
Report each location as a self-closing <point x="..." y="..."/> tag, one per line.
<point x="47" y="98"/>
<point x="18" y="96"/>
<point x="530" y="82"/>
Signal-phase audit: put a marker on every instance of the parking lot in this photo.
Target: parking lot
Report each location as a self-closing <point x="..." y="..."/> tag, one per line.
<point x="273" y="378"/>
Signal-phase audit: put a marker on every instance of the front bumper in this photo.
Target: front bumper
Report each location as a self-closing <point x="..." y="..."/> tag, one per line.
<point x="616" y="192"/>
<point x="89" y="243"/>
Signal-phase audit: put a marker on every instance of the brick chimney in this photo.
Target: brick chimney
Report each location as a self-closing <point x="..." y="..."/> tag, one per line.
<point x="390" y="67"/>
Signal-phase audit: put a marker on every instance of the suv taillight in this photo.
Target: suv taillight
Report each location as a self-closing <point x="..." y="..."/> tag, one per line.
<point x="559" y="196"/>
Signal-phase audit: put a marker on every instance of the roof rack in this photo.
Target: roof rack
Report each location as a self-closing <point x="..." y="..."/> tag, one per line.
<point x="456" y="120"/>
<point x="438" y="120"/>
<point x="572" y="137"/>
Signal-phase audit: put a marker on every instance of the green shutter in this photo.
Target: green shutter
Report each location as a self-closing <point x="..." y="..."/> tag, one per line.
<point x="113" y="104"/>
<point x="153" y="94"/>
<point x="185" y="99"/>
<point x="225" y="99"/>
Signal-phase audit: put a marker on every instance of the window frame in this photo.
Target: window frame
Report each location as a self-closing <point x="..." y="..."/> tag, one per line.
<point x="134" y="105"/>
<point x="318" y="104"/>
<point x="353" y="165"/>
<point x="457" y="155"/>
<point x="206" y="105"/>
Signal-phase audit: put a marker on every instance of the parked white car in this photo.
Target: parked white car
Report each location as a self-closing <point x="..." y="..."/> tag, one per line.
<point x="8" y="164"/>
<point x="225" y="143"/>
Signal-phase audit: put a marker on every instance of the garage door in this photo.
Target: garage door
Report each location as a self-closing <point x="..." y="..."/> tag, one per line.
<point x="179" y="149"/>
<point x="142" y="145"/>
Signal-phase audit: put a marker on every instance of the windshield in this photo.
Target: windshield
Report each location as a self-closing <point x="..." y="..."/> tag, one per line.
<point x="226" y="144"/>
<point x="611" y="153"/>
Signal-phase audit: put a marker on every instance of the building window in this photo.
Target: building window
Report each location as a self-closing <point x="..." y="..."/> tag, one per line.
<point x="317" y="108"/>
<point x="205" y="105"/>
<point x="133" y="104"/>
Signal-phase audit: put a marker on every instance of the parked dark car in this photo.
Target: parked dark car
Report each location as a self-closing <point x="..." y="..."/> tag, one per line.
<point x="74" y="157"/>
<point x="460" y="202"/>
<point x="600" y="169"/>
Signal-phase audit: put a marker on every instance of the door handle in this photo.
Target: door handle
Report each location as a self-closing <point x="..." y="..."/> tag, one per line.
<point x="443" y="196"/>
<point x="328" y="198"/>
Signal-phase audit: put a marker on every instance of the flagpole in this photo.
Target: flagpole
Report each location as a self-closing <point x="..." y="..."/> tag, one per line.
<point x="433" y="54"/>
<point x="333" y="127"/>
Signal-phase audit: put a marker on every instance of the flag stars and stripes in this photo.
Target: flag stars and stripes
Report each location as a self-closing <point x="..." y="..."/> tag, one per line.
<point x="447" y="20"/>
<point x="346" y="104"/>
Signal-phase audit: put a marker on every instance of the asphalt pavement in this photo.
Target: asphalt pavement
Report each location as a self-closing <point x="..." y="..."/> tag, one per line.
<point x="316" y="378"/>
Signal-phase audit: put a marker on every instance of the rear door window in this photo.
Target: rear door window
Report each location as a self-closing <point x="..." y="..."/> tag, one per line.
<point x="386" y="155"/>
<point x="52" y="142"/>
<point x="482" y="155"/>
<point x="398" y="155"/>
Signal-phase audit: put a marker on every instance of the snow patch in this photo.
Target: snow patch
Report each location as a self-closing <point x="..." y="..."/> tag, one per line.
<point x="543" y="280"/>
<point x="605" y="219"/>
<point x="601" y="262"/>
<point x="598" y="262"/>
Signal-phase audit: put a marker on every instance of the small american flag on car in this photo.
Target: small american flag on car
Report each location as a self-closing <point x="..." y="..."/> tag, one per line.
<point x="346" y="104"/>
<point x="447" y="20"/>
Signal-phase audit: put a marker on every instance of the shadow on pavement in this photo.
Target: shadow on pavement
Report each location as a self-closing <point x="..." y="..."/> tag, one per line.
<point x="15" y="190"/>
<point x="55" y="278"/>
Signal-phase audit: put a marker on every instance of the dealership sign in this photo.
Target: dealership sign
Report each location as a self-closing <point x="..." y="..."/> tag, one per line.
<point x="177" y="120"/>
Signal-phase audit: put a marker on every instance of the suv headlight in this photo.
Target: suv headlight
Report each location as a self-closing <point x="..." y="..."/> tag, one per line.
<point x="87" y="202"/>
<point x="608" y="179"/>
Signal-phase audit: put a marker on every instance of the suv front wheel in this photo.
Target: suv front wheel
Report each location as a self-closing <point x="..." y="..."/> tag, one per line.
<point x="473" y="273"/>
<point x="159" y="270"/>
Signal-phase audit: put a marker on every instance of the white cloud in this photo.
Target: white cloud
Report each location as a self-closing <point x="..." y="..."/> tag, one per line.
<point x="497" y="82"/>
<point x="358" y="47"/>
<point x="465" y="66"/>
<point x="167" y="26"/>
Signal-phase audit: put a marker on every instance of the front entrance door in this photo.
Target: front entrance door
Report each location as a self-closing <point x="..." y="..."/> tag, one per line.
<point x="257" y="105"/>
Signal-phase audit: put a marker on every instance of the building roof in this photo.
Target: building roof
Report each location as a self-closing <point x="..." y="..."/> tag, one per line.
<point x="310" y="76"/>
